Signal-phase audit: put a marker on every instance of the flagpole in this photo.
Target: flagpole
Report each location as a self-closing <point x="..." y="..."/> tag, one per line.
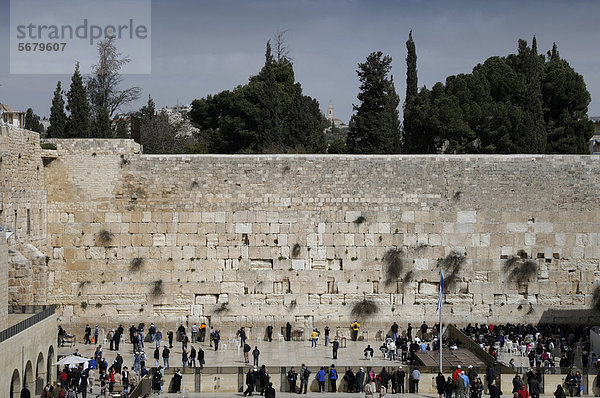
<point x="440" y="306"/>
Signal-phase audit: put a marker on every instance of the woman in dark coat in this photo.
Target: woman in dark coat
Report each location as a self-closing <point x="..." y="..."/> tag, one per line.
<point x="440" y="383"/>
<point x="156" y="381"/>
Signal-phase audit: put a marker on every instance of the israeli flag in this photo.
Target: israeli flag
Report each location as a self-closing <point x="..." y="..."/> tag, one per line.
<point x="440" y="299"/>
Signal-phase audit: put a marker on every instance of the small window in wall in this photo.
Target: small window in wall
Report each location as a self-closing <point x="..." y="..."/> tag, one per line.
<point x="331" y="287"/>
<point x="376" y="287"/>
<point x="28" y="222"/>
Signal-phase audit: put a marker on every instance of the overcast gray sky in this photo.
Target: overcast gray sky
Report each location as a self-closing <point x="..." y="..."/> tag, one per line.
<point x="203" y="47"/>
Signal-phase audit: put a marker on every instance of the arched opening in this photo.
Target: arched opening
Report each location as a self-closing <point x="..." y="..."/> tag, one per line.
<point x="40" y="374"/>
<point x="28" y="379"/>
<point x="15" y="385"/>
<point x="49" y="362"/>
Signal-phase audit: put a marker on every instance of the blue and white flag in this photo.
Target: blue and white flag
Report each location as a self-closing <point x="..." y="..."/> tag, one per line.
<point x="440" y="299"/>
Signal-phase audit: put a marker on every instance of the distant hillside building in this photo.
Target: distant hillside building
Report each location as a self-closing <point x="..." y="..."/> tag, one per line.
<point x="334" y="121"/>
<point x="10" y="117"/>
<point x="595" y="140"/>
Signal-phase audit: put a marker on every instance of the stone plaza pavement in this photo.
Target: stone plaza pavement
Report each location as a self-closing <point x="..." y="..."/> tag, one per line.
<point x="275" y="353"/>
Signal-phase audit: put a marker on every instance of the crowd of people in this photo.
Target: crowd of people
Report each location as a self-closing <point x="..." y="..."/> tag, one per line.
<point x="544" y="345"/>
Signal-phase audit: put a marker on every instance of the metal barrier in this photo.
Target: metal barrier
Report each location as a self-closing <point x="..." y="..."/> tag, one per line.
<point x="27" y="323"/>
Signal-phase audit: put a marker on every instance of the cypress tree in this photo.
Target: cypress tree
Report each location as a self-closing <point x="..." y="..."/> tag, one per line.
<point x="375" y="128"/>
<point x="58" y="118"/>
<point x="101" y="127"/>
<point x="270" y="133"/>
<point x="411" y="69"/>
<point x="78" y="125"/>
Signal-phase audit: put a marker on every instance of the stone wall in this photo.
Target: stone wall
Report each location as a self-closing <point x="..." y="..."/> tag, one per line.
<point x="268" y="239"/>
<point x="3" y="282"/>
<point x="23" y="211"/>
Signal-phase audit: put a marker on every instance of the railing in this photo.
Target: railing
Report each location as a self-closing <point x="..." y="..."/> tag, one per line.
<point x="454" y="334"/>
<point x="27" y="323"/>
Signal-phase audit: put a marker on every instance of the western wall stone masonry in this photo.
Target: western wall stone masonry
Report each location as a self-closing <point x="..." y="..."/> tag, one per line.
<point x="251" y="240"/>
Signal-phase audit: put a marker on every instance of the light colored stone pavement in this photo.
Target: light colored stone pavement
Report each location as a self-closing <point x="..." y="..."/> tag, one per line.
<point x="288" y="353"/>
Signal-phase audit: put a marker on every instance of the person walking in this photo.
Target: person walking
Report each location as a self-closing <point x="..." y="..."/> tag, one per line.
<point x="184" y="357"/>
<point x="216" y="338"/>
<point x="250" y="381"/>
<point x="333" y="376"/>
<point x="96" y="334"/>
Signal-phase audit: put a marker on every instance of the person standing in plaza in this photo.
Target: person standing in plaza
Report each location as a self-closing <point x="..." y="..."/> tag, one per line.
<point x="335" y="346"/>
<point x="326" y="335"/>
<point x="166" y="354"/>
<point x="321" y="376"/>
<point x="246" y="351"/>
<point x="394" y="331"/>
<point x="270" y="333"/>
<point x="313" y="338"/>
<point x="194" y="332"/>
<point x="216" y="339"/>
<point x="416" y="376"/>
<point x="157" y="338"/>
<point x="288" y="331"/>
<point x="200" y="357"/>
<point x="360" y="380"/>
<point x="304" y="376"/>
<point x="170" y="337"/>
<point x="184" y="357"/>
<point x="292" y="376"/>
<point x="354" y="327"/>
<point x="88" y="334"/>
<point x="193" y="357"/>
<point x="202" y="335"/>
<point x="96" y="334"/>
<point x="333" y="376"/>
<point x="156" y="356"/>
<point x="255" y="354"/>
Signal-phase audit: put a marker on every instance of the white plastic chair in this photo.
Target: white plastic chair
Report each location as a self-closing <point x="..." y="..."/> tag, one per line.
<point x="281" y="338"/>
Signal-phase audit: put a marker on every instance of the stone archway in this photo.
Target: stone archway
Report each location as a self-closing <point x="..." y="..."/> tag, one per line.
<point x="40" y="374"/>
<point x="49" y="361"/>
<point x="28" y="377"/>
<point x="15" y="385"/>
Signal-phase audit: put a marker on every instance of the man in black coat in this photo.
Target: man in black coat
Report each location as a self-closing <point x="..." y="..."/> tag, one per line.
<point x="270" y="333"/>
<point x="335" y="345"/>
<point x="350" y="380"/>
<point x="360" y="380"/>
<point x="400" y="376"/>
<point x="288" y="331"/>
<point x="250" y="382"/>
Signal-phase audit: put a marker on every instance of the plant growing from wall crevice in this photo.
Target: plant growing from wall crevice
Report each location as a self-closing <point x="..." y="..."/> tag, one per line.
<point x="394" y="265"/>
<point x="105" y="237"/>
<point x="364" y="308"/>
<point x="359" y="220"/>
<point x="136" y="263"/>
<point x="451" y="264"/>
<point x="520" y="269"/>
<point x="157" y="289"/>
<point x="296" y="250"/>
